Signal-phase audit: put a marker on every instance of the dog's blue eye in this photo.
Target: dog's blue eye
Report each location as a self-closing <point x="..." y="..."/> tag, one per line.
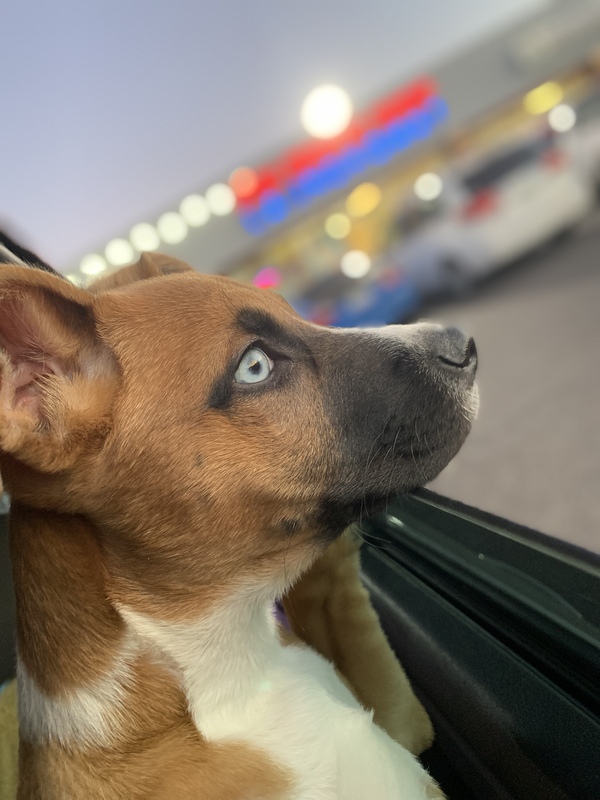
<point x="254" y="367"/>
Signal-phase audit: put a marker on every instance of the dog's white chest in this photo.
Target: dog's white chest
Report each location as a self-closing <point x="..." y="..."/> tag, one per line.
<point x="307" y="721"/>
<point x="287" y="702"/>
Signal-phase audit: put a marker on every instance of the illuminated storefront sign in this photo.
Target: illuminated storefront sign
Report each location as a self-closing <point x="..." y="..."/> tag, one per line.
<point x="268" y="195"/>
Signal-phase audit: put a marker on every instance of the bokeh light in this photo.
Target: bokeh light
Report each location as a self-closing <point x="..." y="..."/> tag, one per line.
<point x="326" y="111"/>
<point x="428" y="186"/>
<point x="337" y="226"/>
<point x="243" y="181"/>
<point x="355" y="264"/>
<point x="543" y="98"/>
<point x="220" y="199"/>
<point x="144" y="237"/>
<point x="267" y="278"/>
<point x="119" y="252"/>
<point x="562" y="118"/>
<point x="363" y="200"/>
<point x="194" y="210"/>
<point x="172" y="227"/>
<point x="92" y="264"/>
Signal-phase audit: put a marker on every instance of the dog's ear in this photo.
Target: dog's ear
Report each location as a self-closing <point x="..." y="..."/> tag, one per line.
<point x="150" y="265"/>
<point x="57" y="378"/>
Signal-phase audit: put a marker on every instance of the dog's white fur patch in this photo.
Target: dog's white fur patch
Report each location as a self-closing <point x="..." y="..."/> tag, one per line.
<point x="77" y="718"/>
<point x="243" y="685"/>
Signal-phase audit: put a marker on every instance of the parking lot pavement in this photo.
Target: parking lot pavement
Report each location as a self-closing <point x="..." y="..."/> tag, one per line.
<point x="534" y="453"/>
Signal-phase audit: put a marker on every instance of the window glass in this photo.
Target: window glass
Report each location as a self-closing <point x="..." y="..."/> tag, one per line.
<point x="495" y="170"/>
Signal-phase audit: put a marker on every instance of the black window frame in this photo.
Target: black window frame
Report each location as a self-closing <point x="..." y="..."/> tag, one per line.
<point x="501" y="648"/>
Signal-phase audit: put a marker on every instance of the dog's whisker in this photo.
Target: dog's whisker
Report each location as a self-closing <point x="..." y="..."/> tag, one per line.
<point x="363" y="506"/>
<point x="372" y="456"/>
<point x="389" y="486"/>
<point x="417" y="465"/>
<point x="370" y="460"/>
<point x="372" y="539"/>
<point x="427" y="445"/>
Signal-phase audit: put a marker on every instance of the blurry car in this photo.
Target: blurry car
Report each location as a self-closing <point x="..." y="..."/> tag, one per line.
<point x="490" y="212"/>
<point x="383" y="297"/>
<point x="391" y="299"/>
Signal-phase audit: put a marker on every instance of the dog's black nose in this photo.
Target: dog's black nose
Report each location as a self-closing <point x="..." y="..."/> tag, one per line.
<point x="454" y="350"/>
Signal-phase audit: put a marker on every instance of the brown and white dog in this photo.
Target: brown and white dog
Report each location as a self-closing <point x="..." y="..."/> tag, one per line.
<point x="179" y="451"/>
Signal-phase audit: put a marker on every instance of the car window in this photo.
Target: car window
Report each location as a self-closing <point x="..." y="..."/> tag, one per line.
<point x="416" y="216"/>
<point x="498" y="168"/>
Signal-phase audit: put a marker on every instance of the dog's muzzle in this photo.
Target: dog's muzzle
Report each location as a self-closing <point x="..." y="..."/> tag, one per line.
<point x="401" y="400"/>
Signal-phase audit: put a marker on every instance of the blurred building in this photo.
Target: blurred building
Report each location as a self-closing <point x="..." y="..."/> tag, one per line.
<point x="314" y="218"/>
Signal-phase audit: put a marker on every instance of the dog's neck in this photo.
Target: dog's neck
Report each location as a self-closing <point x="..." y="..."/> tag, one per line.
<point x="74" y="642"/>
<point x="223" y="659"/>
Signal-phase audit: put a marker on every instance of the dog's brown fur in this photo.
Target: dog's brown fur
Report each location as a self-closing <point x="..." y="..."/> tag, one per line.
<point x="65" y="423"/>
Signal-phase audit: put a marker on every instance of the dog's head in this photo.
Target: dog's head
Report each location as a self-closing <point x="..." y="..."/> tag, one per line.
<point x="209" y="433"/>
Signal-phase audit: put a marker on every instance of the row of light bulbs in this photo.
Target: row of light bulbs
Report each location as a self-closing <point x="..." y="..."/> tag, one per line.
<point x="171" y="228"/>
<point x="194" y="211"/>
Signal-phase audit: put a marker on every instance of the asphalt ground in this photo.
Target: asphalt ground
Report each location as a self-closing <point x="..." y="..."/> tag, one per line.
<point x="533" y="455"/>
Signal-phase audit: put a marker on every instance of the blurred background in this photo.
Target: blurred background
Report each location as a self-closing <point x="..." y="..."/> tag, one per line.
<point x="372" y="162"/>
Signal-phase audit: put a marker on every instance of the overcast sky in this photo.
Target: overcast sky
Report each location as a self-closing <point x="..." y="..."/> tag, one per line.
<point x="112" y="110"/>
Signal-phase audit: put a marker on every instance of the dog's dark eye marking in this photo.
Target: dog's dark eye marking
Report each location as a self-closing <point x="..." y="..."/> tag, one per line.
<point x="221" y="393"/>
<point x="263" y="326"/>
<point x="268" y="332"/>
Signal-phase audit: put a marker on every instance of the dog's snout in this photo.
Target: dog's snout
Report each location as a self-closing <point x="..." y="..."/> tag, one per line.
<point x="454" y="350"/>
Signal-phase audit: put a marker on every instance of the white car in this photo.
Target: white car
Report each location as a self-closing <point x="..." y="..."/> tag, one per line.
<point x="491" y="212"/>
